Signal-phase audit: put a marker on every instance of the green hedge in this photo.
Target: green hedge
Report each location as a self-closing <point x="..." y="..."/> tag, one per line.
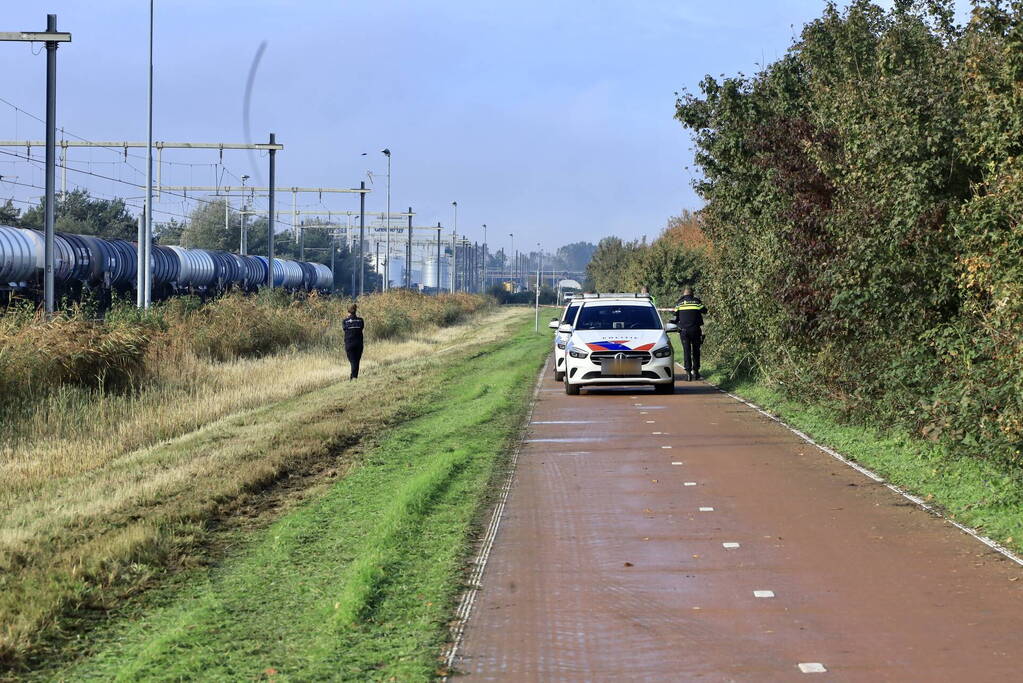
<point x="863" y="198"/>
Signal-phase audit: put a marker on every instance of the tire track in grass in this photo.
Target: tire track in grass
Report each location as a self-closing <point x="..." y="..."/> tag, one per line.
<point x="370" y="570"/>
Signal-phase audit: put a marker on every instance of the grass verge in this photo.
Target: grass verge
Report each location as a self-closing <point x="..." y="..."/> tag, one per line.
<point x="985" y="495"/>
<point x="78" y="533"/>
<point x="358" y="584"/>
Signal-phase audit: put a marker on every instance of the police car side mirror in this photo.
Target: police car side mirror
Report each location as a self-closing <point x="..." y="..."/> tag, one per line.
<point x="553" y="324"/>
<point x="566" y="328"/>
<point x="670" y="327"/>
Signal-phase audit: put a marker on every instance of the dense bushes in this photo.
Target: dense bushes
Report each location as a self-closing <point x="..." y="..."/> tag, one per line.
<point x="863" y="198"/>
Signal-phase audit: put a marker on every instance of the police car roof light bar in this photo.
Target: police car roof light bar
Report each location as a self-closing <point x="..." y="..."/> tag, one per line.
<point x="615" y="295"/>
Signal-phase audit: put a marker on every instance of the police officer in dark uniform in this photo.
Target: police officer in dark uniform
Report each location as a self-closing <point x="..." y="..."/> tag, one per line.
<point x="689" y="314"/>
<point x="353" y="326"/>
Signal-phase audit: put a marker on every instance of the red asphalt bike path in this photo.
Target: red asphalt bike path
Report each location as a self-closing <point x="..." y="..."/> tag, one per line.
<point x="610" y="560"/>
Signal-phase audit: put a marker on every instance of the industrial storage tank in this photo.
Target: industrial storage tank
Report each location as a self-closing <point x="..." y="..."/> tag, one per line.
<point x="430" y="273"/>
<point x="102" y="260"/>
<point x="196" y="267"/>
<point x="255" y="270"/>
<point x="17" y="262"/>
<point x="80" y="254"/>
<point x="126" y="262"/>
<point x="292" y="274"/>
<point x="396" y="271"/>
<point x="287" y="274"/>
<point x="164" y="265"/>
<point x="324" y="276"/>
<point x="308" y="275"/>
<point x="228" y="268"/>
<point x="63" y="257"/>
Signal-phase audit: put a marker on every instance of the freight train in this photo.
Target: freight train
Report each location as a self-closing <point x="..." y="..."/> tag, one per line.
<point x="86" y="262"/>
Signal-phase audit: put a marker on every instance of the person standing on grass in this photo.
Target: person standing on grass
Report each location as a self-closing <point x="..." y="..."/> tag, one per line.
<point x="353" y="326"/>
<point x="689" y="314"/>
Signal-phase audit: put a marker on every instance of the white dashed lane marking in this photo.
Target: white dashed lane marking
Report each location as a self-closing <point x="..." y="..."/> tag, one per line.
<point x="763" y="594"/>
<point x="690" y="483"/>
<point x="706" y="509"/>
<point x="676" y="463"/>
<point x="730" y="545"/>
<point x="665" y="446"/>
<point x="649" y="422"/>
<point x="812" y="667"/>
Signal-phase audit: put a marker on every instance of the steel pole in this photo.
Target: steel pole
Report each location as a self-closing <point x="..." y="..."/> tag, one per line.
<point x="438" y="258"/>
<point x="243" y="246"/>
<point x="139" y="266"/>
<point x="539" y="262"/>
<point x="272" y="216"/>
<point x="376" y="244"/>
<point x="453" y="270"/>
<point x="51" y="162"/>
<point x="147" y="259"/>
<point x="362" y="237"/>
<point x="387" y="279"/>
<point x="408" y="253"/>
<point x="333" y="262"/>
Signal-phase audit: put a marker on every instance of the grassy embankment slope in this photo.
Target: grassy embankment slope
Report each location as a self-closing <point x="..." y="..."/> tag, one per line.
<point x="359" y="581"/>
<point x="220" y="412"/>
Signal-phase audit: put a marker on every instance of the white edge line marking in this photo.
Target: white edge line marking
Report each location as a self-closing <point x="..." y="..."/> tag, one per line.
<point x="706" y="509"/>
<point x="479" y="563"/>
<point x="730" y="544"/>
<point x="665" y="446"/>
<point x="676" y="463"/>
<point x="994" y="545"/>
<point x="812" y="667"/>
<point x="690" y="483"/>
<point x="763" y="594"/>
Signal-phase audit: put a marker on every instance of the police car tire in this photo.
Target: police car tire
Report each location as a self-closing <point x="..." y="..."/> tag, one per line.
<point x="664" y="388"/>
<point x="571" y="389"/>
<point x="559" y="376"/>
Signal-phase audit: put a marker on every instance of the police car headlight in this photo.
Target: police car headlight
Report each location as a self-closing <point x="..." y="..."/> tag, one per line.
<point x="663" y="352"/>
<point x="575" y="353"/>
<point x="562" y="345"/>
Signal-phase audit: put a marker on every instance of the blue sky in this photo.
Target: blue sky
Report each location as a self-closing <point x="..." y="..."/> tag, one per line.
<point x="549" y="120"/>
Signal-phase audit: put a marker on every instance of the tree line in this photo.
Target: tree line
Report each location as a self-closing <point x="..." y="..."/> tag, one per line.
<point x="863" y="204"/>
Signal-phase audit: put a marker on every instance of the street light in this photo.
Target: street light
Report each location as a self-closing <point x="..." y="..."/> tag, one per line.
<point x="454" y="247"/>
<point x="387" y="259"/>
<point x="244" y="246"/>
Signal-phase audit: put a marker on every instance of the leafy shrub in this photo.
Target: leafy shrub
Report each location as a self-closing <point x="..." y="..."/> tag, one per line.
<point x="863" y="199"/>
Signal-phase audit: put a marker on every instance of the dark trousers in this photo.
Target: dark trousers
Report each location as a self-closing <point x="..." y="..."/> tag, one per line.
<point x="691" y="338"/>
<point x="354" y="356"/>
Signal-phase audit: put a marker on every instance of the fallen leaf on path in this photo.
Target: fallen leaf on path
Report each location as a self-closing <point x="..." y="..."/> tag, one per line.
<point x="629" y="564"/>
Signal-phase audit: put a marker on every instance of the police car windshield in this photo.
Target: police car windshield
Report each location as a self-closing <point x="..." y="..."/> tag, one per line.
<point x="569" y="316"/>
<point x="618" y="317"/>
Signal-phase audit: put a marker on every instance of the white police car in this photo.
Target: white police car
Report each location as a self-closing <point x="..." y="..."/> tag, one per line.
<point x="617" y="339"/>
<point x="561" y="338"/>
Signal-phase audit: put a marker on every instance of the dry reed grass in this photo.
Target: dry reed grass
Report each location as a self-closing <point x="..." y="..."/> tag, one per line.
<point x="102" y="488"/>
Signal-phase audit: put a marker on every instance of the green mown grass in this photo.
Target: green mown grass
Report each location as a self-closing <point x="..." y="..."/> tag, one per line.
<point x="983" y="494"/>
<point x="359" y="583"/>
